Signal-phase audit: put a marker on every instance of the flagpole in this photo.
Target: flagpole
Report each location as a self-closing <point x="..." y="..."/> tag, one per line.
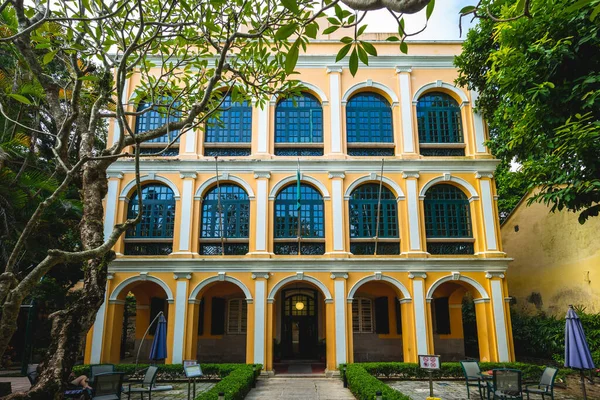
<point x="219" y="209"/>
<point x="378" y="207"/>
<point x="298" y="205"/>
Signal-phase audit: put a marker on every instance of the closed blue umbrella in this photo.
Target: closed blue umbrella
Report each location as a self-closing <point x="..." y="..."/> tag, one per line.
<point x="158" y="351"/>
<point x="577" y="351"/>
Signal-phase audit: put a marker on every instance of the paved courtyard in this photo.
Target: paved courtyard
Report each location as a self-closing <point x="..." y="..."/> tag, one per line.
<point x="300" y="389"/>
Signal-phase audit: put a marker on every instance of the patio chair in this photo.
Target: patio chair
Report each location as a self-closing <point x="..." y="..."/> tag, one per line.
<point x="546" y="385"/>
<point x="147" y="384"/>
<point x="108" y="386"/>
<point x="471" y="371"/>
<point x="96" y="369"/>
<point x="505" y="385"/>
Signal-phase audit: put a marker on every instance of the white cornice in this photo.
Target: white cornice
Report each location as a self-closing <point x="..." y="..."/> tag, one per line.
<point x="259" y="166"/>
<point x="330" y="265"/>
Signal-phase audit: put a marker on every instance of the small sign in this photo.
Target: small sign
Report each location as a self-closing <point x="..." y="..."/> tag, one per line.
<point x="193" y="371"/>
<point x="429" y="362"/>
<point x="187" y="363"/>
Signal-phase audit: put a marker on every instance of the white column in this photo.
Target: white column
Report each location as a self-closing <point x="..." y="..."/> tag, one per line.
<point x="337" y="205"/>
<point x="262" y="210"/>
<point x="186" y="210"/>
<point x="413" y="210"/>
<point x="499" y="317"/>
<point x="98" y="331"/>
<point x="263" y="129"/>
<point x="112" y="200"/>
<point x="190" y="141"/>
<point x="489" y="221"/>
<point x="406" y="108"/>
<point x="479" y="125"/>
<point x="260" y="315"/>
<point x="341" y="341"/>
<point x="124" y="101"/>
<point x="335" y="73"/>
<point x="180" y="307"/>
<point x="418" y="279"/>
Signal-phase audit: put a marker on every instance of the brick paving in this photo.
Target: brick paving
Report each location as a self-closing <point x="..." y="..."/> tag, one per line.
<point x="299" y="389"/>
<point x="450" y="390"/>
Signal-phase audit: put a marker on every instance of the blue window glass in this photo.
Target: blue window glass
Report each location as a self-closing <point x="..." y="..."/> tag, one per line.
<point x="311" y="213"/>
<point x="363" y="212"/>
<point x="438" y="118"/>
<point x="299" y="120"/>
<point x="157" y="116"/>
<point x="369" y="119"/>
<point x="447" y="213"/>
<point x="158" y="213"/>
<point x="233" y="124"/>
<point x="233" y="218"/>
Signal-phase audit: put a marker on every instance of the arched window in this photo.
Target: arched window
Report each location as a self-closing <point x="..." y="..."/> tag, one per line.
<point x="448" y="221"/>
<point x="312" y="221"/>
<point x="369" y="125"/>
<point x="230" y="132"/>
<point x="154" y="116"/>
<point x="228" y="218"/>
<point x="299" y="126"/>
<point x="153" y="235"/>
<point x="439" y="125"/>
<point x="363" y="220"/>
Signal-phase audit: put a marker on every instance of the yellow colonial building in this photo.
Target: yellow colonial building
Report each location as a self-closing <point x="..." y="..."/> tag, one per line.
<point x="398" y="223"/>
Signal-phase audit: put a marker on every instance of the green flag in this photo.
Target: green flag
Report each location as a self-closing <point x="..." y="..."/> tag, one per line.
<point x="298" y="205"/>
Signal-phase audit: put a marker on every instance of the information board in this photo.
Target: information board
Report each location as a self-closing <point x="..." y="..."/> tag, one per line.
<point x="187" y="363"/>
<point x="429" y="361"/>
<point x="193" y="371"/>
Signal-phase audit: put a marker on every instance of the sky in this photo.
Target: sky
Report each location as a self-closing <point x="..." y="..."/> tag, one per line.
<point x="443" y="24"/>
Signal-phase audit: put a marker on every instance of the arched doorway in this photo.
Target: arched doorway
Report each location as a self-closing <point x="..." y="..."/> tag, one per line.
<point x="458" y="316"/>
<point x="378" y="315"/>
<point x="220" y="324"/>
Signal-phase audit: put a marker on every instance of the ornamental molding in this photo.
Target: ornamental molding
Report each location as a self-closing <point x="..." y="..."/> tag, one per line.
<point x="417" y="274"/>
<point x="494" y="274"/>
<point x="400" y="70"/>
<point x="334" y="69"/>
<point x="410" y="174"/>
<point x="341" y="275"/>
<point x="336" y="174"/>
<point x="114" y="175"/>
<point x="264" y="275"/>
<point x="484" y="174"/>
<point x="262" y="175"/>
<point x="182" y="275"/>
<point x="188" y="175"/>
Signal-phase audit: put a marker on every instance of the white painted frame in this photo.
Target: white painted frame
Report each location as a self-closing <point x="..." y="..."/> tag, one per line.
<point x="441" y="85"/>
<point x="303" y="178"/>
<point x="201" y="191"/>
<point x="445" y="178"/>
<point x="371" y="85"/>
<point x="126" y="192"/>
<point x="294" y="278"/>
<point x="220" y="277"/>
<point x="376" y="277"/>
<point x="141" y="278"/>
<point x="452" y="278"/>
<point x="313" y="88"/>
<point x="369" y="178"/>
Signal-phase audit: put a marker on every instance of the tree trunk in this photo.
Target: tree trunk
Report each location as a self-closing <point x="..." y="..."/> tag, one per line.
<point x="70" y="326"/>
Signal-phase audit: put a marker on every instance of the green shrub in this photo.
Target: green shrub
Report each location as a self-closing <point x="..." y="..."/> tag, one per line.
<point x="365" y="386"/>
<point x="235" y="385"/>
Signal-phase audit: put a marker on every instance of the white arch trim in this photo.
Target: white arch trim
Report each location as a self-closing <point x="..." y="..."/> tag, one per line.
<point x="439" y="84"/>
<point x="224" y="178"/>
<point x="220" y="277"/>
<point x="142" y="278"/>
<point x="303" y="178"/>
<point x="300" y="277"/>
<point x="370" y="84"/>
<point x="482" y="292"/>
<point x="376" y="277"/>
<point x="150" y="177"/>
<point x="315" y="89"/>
<point x="448" y="178"/>
<point x="375" y="178"/>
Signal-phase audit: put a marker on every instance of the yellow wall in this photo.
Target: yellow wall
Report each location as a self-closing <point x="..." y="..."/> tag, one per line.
<point x="555" y="257"/>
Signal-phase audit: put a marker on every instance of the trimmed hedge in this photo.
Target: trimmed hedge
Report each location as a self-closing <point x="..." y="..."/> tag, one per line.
<point x="235" y="385"/>
<point x="365" y="386"/>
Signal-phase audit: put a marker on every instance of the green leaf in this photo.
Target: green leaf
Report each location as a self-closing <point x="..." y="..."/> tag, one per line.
<point x="333" y="21"/>
<point x="362" y="55"/>
<point x="467" y="9"/>
<point x="93" y="78"/>
<point x="292" y="58"/>
<point x="48" y="57"/>
<point x="430" y="8"/>
<point x="343" y="51"/>
<point x="312" y="30"/>
<point x="21" y="99"/>
<point x="346" y="40"/>
<point x="42" y="45"/>
<point x="361" y="30"/>
<point x="353" y="64"/>
<point x="369" y="48"/>
<point x="339" y="12"/>
<point x="291" y="5"/>
<point x="393" y="39"/>
<point x="578" y="5"/>
<point x="331" y="29"/>
<point x="520" y="6"/>
<point x="286" y="31"/>
<point x="404" y="47"/>
<point x="595" y="13"/>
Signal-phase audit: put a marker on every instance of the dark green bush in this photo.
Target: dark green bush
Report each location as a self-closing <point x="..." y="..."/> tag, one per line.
<point x="364" y="385"/>
<point x="235" y="385"/>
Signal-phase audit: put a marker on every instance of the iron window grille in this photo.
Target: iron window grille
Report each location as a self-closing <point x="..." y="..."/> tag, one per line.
<point x="154" y="233"/>
<point x="362" y="315"/>
<point x="448" y="221"/>
<point x="299" y="126"/>
<point x="237" y="317"/>
<point x="230" y="132"/>
<point x="369" y="125"/>
<point x="312" y="221"/>
<point x="363" y="220"/>
<point x="231" y="221"/>
<point x="439" y="124"/>
<point x="154" y="116"/>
